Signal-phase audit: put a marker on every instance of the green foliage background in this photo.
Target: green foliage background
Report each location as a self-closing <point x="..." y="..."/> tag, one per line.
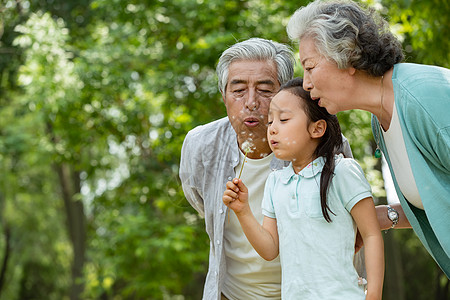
<point x="95" y="99"/>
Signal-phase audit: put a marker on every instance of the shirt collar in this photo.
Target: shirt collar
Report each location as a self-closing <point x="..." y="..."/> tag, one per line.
<point x="311" y="170"/>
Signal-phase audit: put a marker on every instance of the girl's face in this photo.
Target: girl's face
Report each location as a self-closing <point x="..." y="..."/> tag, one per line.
<point x="289" y="132"/>
<point x="328" y="84"/>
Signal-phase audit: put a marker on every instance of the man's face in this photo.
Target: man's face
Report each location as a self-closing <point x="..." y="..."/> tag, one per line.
<point x="250" y="88"/>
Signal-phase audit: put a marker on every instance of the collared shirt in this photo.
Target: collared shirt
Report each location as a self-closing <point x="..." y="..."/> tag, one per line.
<point x="316" y="256"/>
<point x="208" y="157"/>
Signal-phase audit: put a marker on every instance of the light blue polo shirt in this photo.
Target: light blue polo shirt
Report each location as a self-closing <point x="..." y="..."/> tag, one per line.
<point x="316" y="256"/>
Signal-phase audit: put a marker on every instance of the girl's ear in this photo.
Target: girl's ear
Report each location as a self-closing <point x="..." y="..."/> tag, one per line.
<point x="317" y="129"/>
<point x="351" y="71"/>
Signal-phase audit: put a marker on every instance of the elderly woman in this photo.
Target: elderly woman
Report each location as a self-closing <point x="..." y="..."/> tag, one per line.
<point x="352" y="61"/>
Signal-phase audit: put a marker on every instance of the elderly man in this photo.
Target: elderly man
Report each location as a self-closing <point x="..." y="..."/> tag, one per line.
<point x="250" y="73"/>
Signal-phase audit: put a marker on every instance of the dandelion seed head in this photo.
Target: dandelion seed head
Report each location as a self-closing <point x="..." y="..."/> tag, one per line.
<point x="248" y="146"/>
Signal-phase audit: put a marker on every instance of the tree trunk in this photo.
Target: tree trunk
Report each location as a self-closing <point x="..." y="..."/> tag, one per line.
<point x="75" y="218"/>
<point x="442" y="285"/>
<point x="76" y="224"/>
<point x="393" y="276"/>
<point x="7" y="251"/>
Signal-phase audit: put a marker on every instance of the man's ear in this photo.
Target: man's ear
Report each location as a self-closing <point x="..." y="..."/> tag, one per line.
<point x="317" y="129"/>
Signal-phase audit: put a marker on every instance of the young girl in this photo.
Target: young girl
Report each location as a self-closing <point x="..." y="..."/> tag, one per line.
<point x="311" y="206"/>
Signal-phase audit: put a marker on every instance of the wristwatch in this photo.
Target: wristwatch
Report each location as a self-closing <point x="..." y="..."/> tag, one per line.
<point x="392" y="215"/>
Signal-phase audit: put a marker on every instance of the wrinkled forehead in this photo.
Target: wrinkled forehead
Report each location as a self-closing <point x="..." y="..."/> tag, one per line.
<point x="253" y="71"/>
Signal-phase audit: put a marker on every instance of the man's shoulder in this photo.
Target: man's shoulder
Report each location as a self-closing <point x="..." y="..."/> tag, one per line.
<point x="219" y="125"/>
<point x="210" y="133"/>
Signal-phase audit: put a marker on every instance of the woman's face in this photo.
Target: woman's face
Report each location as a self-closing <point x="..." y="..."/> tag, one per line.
<point x="327" y="84"/>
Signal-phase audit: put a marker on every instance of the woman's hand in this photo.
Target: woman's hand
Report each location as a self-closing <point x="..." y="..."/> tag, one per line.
<point x="359" y="243"/>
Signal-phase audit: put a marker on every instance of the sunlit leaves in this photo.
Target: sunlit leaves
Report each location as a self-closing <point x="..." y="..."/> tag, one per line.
<point x="423" y="26"/>
<point x="118" y="84"/>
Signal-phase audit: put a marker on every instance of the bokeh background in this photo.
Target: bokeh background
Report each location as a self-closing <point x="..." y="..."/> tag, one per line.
<point x="95" y="99"/>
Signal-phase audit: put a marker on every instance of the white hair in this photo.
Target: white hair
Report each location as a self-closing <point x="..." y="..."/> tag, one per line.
<point x="261" y="50"/>
<point x="347" y="34"/>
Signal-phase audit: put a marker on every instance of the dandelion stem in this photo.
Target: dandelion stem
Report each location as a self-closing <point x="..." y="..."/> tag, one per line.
<point x="242" y="167"/>
<point x="240" y="172"/>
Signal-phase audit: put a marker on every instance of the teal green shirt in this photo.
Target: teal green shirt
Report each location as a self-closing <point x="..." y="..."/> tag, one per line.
<point x="422" y="99"/>
<point x="316" y="256"/>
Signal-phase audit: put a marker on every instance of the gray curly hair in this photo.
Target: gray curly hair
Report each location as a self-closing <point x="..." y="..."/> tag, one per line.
<point x="347" y="34"/>
<point x="257" y="49"/>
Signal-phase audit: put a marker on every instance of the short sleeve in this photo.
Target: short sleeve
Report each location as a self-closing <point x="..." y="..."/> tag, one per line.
<point x="350" y="184"/>
<point x="267" y="203"/>
<point x="345" y="148"/>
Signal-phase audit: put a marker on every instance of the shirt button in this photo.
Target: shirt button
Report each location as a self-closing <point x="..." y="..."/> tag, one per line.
<point x="218" y="242"/>
<point x="229" y="178"/>
<point x="221" y="211"/>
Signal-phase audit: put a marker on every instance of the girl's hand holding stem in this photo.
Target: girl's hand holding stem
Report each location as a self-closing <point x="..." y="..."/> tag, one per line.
<point x="263" y="238"/>
<point x="236" y="196"/>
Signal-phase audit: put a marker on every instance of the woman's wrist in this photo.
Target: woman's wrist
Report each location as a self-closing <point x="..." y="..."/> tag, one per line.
<point x="382" y="215"/>
<point x="386" y="223"/>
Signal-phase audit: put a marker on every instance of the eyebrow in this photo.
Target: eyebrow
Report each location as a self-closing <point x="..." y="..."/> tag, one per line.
<point x="239" y="81"/>
<point x="281" y="110"/>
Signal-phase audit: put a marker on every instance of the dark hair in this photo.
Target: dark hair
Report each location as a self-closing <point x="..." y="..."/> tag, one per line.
<point x="330" y="142"/>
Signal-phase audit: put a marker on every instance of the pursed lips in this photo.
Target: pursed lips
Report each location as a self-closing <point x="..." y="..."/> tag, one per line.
<point x="316" y="99"/>
<point x="251" y="121"/>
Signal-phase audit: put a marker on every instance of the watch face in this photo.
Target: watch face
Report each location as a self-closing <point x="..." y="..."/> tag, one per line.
<point x="392" y="215"/>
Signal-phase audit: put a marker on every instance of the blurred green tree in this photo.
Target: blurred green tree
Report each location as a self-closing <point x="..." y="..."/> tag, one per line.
<point x="95" y="99"/>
